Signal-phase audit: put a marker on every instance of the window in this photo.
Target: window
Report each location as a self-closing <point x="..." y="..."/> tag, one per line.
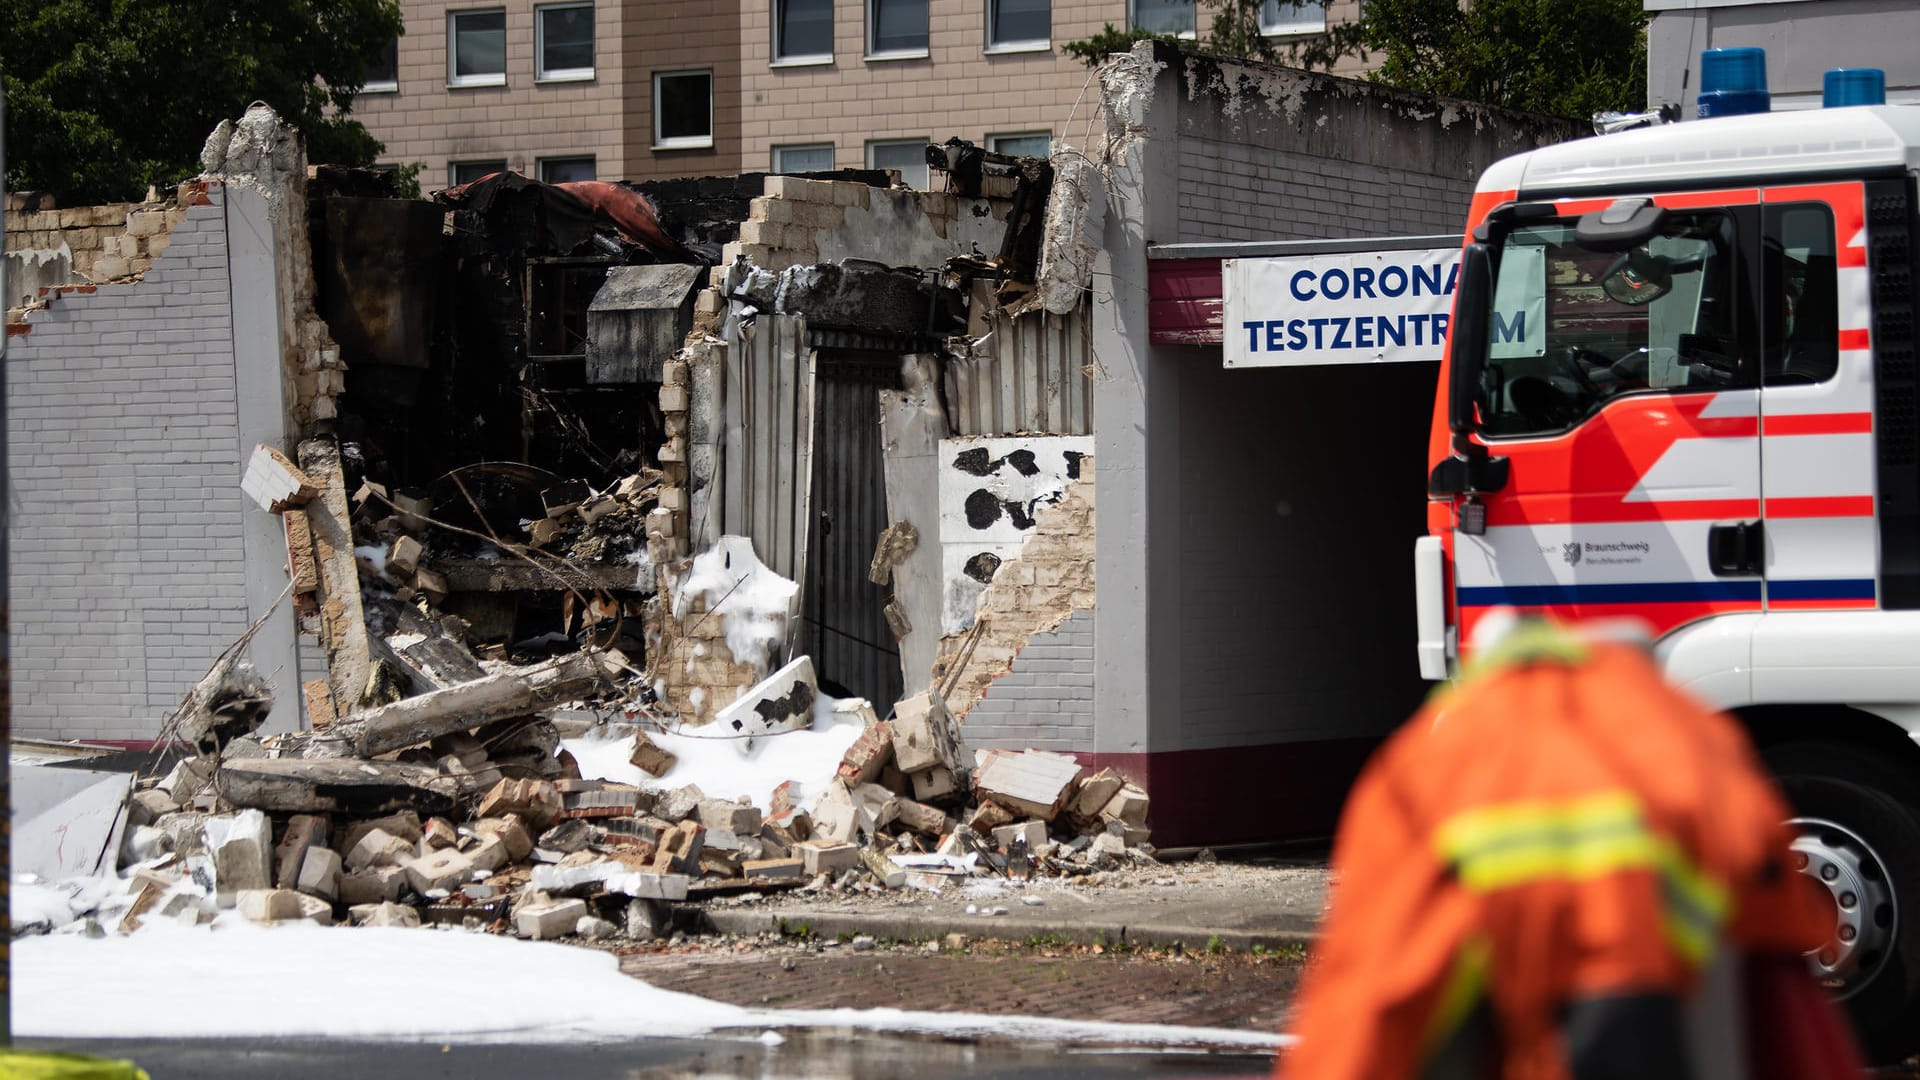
<point x="908" y="156"/>
<point x="802" y="31"/>
<point x="682" y="109"/>
<point x="566" y="170"/>
<point x="1662" y="317"/>
<point x="383" y="74"/>
<point x="1802" y="295"/>
<point x="1033" y="144"/>
<point x="1293" y="16"/>
<point x="812" y="157"/>
<point x="1164" y="16"/>
<point x="466" y="172"/>
<point x="563" y="42"/>
<point x="896" y="29"/>
<point x="1019" y="25"/>
<point x="476" y="48"/>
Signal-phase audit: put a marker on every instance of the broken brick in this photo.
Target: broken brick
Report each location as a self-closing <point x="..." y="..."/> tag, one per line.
<point x="651" y="758"/>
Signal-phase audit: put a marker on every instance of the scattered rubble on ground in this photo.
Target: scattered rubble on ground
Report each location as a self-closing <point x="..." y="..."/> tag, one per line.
<point x="464" y="803"/>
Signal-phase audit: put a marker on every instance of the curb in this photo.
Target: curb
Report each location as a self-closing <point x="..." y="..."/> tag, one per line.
<point x="897" y="927"/>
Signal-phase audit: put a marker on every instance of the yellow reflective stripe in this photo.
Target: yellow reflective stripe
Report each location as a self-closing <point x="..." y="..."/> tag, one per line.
<point x="1536" y="823"/>
<point x="1499" y="847"/>
<point x="1466" y="981"/>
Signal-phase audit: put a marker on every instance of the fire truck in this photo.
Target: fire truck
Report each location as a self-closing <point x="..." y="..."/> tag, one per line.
<point x="1681" y="389"/>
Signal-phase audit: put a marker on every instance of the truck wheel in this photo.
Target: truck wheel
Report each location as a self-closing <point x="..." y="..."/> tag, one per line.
<point x="1860" y="842"/>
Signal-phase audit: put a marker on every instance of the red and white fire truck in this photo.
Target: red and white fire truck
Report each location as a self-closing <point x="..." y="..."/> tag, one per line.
<point x="1681" y="388"/>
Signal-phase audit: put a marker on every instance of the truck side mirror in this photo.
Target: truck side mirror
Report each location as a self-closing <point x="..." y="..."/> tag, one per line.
<point x="1467" y="342"/>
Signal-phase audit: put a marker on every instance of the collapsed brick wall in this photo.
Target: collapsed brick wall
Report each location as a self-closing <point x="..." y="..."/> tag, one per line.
<point x="800" y="222"/>
<point x="86" y="244"/>
<point x="1030" y="598"/>
<point x="127" y="564"/>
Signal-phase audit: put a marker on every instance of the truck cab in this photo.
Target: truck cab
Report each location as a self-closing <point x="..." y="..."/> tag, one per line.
<point x="1681" y="389"/>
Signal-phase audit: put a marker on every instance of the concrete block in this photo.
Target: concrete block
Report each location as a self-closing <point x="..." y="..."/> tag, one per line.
<point x="680" y="803"/>
<point x="537" y="802"/>
<point x="934" y="784"/>
<point x="921" y="818"/>
<point x="373" y="885"/>
<point x="282" y="905"/>
<point x="511" y="831"/>
<point x="731" y="816"/>
<point x="440" y="833"/>
<point x="594" y="928"/>
<point x="648" y="756"/>
<point x="404" y="824"/>
<point x="548" y="921"/>
<point x="488" y="854"/>
<point x="147" y="807"/>
<point x="679" y="850"/>
<point x="919" y="734"/>
<point x="828" y="857"/>
<point x="879" y="804"/>
<point x="1035" y="783"/>
<point x="648" y="919"/>
<point x="383" y="914"/>
<point x="403" y="558"/>
<point x="987" y="817"/>
<point x="673" y="399"/>
<point x="1035" y="832"/>
<point x="838" y="816"/>
<point x="441" y="871"/>
<point x="242" y="849"/>
<point x="379" y="848"/>
<point x="1128" y="805"/>
<point x="774" y="869"/>
<point x="320" y="874"/>
<point x="882" y="868"/>
<point x="303" y="833"/>
<point x="1094" y="792"/>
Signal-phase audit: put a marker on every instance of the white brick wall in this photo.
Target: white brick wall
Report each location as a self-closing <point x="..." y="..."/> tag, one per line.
<point x="123" y="444"/>
<point x="1046" y="701"/>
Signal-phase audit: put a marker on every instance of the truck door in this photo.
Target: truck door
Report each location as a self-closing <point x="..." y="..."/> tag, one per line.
<point x="1623" y="388"/>
<point x="1816" y="449"/>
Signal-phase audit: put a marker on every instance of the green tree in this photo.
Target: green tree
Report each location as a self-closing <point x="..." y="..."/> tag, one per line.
<point x="105" y="97"/>
<point x="1562" y="57"/>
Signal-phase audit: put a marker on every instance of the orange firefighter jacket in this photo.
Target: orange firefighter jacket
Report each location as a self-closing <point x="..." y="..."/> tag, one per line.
<point x="1560" y="825"/>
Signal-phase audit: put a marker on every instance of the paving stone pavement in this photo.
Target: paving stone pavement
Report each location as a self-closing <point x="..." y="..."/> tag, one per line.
<point x="1160" y="987"/>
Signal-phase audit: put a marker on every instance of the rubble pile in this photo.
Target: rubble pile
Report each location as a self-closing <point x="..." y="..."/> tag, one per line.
<point x="488" y="824"/>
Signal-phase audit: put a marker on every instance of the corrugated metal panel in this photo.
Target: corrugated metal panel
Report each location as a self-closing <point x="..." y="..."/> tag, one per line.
<point x="1029" y="376"/>
<point x="846" y="633"/>
<point x="769" y="448"/>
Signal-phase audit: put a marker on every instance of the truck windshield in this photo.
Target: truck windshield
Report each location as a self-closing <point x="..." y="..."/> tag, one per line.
<point x="1573" y="328"/>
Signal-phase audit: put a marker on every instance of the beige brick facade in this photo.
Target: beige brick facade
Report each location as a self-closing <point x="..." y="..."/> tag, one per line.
<point x="959" y="88"/>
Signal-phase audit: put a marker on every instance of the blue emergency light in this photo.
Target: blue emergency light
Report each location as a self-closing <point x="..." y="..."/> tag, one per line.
<point x="1733" y="82"/>
<point x="1854" y="86"/>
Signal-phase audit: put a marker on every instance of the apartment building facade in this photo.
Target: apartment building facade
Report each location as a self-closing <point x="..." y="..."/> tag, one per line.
<point x="626" y="90"/>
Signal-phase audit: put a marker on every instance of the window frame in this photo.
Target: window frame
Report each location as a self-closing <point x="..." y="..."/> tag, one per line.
<point x="779" y="59"/>
<point x="543" y="74"/>
<point x="1292" y="30"/>
<point x="921" y="53"/>
<point x="1020" y="45"/>
<point x="386" y="86"/>
<point x="901" y="140"/>
<point x="542" y="164"/>
<point x="456" y="81"/>
<point x="682" y="142"/>
<point x="1743" y="226"/>
<point x="773" y="157"/>
<point x="454" y="167"/>
<point x="1133" y="20"/>
<point x="993" y="141"/>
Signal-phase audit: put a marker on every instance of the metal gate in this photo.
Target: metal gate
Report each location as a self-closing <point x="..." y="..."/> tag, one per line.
<point x="843" y="627"/>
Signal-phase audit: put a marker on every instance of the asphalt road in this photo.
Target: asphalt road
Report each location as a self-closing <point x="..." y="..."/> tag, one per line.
<point x="815" y="1054"/>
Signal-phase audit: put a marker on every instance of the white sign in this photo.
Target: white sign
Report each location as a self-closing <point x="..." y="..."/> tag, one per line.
<point x="1360" y="308"/>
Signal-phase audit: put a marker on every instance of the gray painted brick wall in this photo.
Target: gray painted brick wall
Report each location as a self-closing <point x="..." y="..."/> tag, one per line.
<point x="1239" y="192"/>
<point x="1046" y="701"/>
<point x="123" y="440"/>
